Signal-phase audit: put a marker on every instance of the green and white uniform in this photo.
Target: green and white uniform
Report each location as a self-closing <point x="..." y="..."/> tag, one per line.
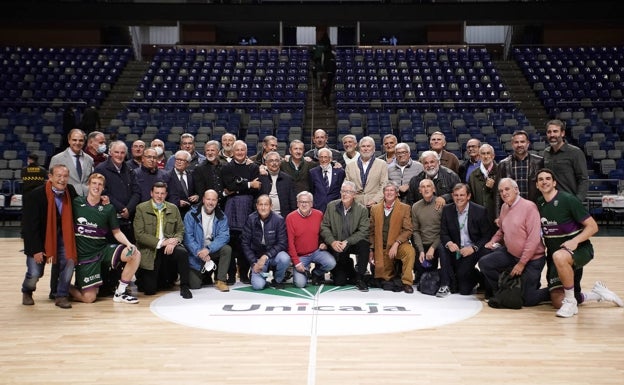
<point x="562" y="219"/>
<point x="91" y="225"/>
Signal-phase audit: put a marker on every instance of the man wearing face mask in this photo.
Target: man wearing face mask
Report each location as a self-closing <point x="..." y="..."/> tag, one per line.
<point x="161" y="159"/>
<point x="96" y="147"/>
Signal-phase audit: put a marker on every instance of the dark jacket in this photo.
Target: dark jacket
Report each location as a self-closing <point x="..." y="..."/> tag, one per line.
<point x="479" y="229"/>
<point x="331" y="227"/>
<point x="34" y="218"/>
<point x="444" y="183"/>
<point x="120" y="187"/>
<point x="285" y="191"/>
<point x="323" y="194"/>
<point x="275" y="238"/>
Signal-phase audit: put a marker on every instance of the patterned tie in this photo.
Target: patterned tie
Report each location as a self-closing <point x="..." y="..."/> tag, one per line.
<point x="78" y="167"/>
<point x="183" y="183"/>
<point x="325" y="178"/>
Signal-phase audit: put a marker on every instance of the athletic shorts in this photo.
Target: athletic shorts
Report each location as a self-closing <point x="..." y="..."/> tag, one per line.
<point x="581" y="257"/>
<point x="89" y="272"/>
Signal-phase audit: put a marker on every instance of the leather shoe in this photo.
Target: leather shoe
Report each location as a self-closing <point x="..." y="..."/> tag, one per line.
<point x="185" y="292"/>
<point x="317" y="281"/>
<point x="27" y="299"/>
<point x="408" y="288"/>
<point x="361" y="285"/>
<point x="278" y="285"/>
<point x="62" y="302"/>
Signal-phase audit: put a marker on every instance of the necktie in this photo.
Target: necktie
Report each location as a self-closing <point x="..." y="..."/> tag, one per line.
<point x="78" y="167"/>
<point x="325" y="178"/>
<point x="183" y="183"/>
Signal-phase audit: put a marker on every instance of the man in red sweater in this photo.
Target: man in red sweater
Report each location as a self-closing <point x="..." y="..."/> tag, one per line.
<point x="522" y="249"/>
<point x="304" y="246"/>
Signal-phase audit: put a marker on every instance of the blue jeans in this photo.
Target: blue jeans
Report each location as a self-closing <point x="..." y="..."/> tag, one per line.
<point x="35" y="270"/>
<point x="280" y="262"/>
<point x="323" y="262"/>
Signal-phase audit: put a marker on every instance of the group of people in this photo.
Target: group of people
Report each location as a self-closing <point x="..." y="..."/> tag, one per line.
<point x="221" y="214"/>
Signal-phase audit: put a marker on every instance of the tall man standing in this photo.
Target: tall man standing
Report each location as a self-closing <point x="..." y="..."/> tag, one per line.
<point x="403" y="169"/>
<point x="522" y="166"/>
<point x="325" y="180"/>
<point x="48" y="232"/>
<point x="278" y="185"/>
<point x="187" y="143"/>
<point x="297" y="167"/>
<point x="566" y="161"/>
<point x="181" y="185"/>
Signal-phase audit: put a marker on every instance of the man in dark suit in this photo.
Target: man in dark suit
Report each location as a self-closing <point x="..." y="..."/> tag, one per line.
<point x="325" y="180"/>
<point x="180" y="184"/>
<point x="278" y="185"/>
<point x="207" y="176"/>
<point x="464" y="231"/>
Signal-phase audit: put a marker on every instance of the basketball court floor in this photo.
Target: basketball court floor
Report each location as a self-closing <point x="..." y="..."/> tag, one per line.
<point x="321" y="335"/>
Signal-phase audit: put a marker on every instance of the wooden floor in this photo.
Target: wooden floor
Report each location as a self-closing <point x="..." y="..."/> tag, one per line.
<point x="127" y="344"/>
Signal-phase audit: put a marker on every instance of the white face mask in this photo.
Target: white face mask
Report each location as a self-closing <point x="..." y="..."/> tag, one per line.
<point x="101" y="149"/>
<point x="159" y="151"/>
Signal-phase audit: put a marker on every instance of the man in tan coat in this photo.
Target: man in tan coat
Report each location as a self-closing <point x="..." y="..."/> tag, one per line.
<point x="368" y="173"/>
<point x="390" y="232"/>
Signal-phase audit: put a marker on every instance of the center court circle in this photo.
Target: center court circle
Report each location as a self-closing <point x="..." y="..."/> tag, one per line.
<point x="324" y="310"/>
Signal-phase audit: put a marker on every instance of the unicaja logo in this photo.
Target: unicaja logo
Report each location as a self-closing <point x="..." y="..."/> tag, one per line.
<point x="328" y="310"/>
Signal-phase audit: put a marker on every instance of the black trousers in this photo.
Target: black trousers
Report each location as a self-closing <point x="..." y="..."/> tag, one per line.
<point x="238" y="258"/>
<point x="344" y="272"/>
<point x="165" y="266"/>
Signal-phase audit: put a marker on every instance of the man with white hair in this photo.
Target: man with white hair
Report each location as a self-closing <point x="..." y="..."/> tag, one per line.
<point x="187" y="143"/>
<point x="180" y="183"/>
<point x="350" y="153"/>
<point x="403" y="169"/>
<point x="437" y="142"/>
<point x="368" y="173"/>
<point x="443" y="179"/>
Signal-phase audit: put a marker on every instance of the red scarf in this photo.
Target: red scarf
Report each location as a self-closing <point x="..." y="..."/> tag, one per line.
<point x="67" y="226"/>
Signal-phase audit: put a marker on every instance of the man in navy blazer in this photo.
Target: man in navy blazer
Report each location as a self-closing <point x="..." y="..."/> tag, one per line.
<point x="182" y="197"/>
<point x="322" y="192"/>
<point x="464" y="231"/>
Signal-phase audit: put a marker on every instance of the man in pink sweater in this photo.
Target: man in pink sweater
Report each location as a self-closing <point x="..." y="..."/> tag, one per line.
<point x="303" y="227"/>
<point x="522" y="249"/>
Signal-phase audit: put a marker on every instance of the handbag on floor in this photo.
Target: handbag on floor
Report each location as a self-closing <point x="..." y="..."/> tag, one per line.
<point x="509" y="293"/>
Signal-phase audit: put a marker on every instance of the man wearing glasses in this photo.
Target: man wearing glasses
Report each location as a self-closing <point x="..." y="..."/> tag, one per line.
<point x="403" y="169"/>
<point x="278" y="185"/>
<point x="345" y="231"/>
<point x="304" y="246"/>
<point x="181" y="184"/>
<point x="187" y="143"/>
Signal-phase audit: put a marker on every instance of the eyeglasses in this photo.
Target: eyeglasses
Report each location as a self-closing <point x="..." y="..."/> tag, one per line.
<point x="305" y="202"/>
<point x="181" y="160"/>
<point x="273" y="160"/>
<point x="401" y="152"/>
<point x="347" y="192"/>
<point x="186" y="143"/>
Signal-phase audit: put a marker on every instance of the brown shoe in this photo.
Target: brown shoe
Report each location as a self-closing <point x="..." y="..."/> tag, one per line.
<point x="27" y="299"/>
<point x="222" y="286"/>
<point x="408" y="288"/>
<point x="63" y="302"/>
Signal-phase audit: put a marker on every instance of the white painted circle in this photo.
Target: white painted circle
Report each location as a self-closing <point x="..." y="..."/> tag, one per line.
<point x="325" y="310"/>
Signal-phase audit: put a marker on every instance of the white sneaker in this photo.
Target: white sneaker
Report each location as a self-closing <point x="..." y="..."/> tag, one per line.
<point x="607" y="295"/>
<point x="443" y="292"/>
<point x="568" y="308"/>
<point x="125" y="298"/>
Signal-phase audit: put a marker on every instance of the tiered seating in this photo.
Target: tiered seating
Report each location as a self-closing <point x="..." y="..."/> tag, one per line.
<point x="44" y="76"/>
<point x="388" y="79"/>
<point x="566" y="79"/>
<point x="220" y="80"/>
